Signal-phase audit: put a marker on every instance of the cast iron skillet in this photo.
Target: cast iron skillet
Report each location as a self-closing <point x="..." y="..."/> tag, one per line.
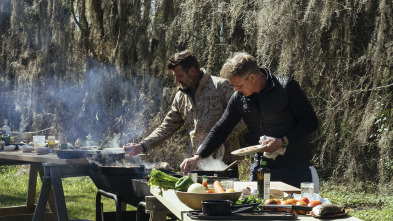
<point x="224" y="207"/>
<point x="122" y="170"/>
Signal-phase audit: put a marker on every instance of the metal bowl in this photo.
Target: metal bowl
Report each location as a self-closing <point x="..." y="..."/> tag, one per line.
<point x="194" y="200"/>
<point x="26" y="148"/>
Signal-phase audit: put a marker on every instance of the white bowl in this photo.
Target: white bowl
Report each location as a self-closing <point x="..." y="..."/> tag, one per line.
<point x="26" y="148"/>
<point x="41" y="150"/>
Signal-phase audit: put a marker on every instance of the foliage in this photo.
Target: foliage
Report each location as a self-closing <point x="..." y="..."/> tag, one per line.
<point x="366" y="204"/>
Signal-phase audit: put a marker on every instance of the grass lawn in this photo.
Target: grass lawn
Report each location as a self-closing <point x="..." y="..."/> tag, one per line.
<point x="370" y="205"/>
<point x="80" y="196"/>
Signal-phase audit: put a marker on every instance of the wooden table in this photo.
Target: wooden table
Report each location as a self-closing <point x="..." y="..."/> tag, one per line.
<point x="159" y="206"/>
<point x="51" y="170"/>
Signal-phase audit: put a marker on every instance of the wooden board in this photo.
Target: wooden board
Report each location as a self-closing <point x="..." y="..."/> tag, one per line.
<point x="34" y="157"/>
<point x="276" y="188"/>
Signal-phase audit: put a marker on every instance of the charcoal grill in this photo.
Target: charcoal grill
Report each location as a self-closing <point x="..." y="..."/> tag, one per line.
<point x="114" y="181"/>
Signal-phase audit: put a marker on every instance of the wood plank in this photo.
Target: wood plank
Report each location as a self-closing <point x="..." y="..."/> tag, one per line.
<point x="276" y="187"/>
<point x="46" y="158"/>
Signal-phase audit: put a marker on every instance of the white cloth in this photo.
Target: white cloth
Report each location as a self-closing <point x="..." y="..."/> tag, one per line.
<point x="315" y="179"/>
<point x="279" y="151"/>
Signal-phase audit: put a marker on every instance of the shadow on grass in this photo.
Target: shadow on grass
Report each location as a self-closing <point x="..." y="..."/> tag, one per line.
<point x="12" y="200"/>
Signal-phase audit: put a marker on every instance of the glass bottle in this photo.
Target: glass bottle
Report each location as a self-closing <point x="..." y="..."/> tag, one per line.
<point x="204" y="181"/>
<point x="6" y="129"/>
<point x="263" y="181"/>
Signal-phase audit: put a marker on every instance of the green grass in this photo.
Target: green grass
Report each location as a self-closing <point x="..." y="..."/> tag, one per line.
<point x="370" y="205"/>
<point x="80" y="192"/>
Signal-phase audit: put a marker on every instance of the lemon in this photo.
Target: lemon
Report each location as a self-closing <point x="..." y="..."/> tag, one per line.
<point x="230" y="191"/>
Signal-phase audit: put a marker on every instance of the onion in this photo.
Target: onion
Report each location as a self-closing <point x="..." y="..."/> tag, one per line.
<point x="196" y="188"/>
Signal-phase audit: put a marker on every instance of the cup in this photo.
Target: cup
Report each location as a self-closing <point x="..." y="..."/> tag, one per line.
<point x="193" y="176"/>
<point x="39" y="141"/>
<point x="51" y="142"/>
<point x="307" y="190"/>
<point x="227" y="184"/>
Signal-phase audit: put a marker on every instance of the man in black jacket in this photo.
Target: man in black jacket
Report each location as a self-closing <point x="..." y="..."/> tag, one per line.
<point x="270" y="105"/>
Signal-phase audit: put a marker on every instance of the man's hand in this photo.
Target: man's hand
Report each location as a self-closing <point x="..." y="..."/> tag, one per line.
<point x="273" y="144"/>
<point x="190" y="164"/>
<point x="132" y="149"/>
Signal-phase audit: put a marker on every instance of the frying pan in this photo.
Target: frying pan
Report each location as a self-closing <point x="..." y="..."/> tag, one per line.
<point x="224" y="207"/>
<point x="97" y="156"/>
<point x="122" y="170"/>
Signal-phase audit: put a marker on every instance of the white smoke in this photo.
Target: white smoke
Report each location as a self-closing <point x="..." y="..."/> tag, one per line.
<point x="211" y="164"/>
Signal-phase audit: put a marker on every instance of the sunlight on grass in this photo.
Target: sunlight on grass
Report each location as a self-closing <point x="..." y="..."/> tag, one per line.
<point x="366" y="206"/>
<point x="80" y="192"/>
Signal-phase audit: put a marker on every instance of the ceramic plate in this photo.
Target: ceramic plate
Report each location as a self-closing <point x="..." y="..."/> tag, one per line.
<point x="248" y="150"/>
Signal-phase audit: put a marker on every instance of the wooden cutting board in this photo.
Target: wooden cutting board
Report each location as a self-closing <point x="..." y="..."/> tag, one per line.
<point x="276" y="188"/>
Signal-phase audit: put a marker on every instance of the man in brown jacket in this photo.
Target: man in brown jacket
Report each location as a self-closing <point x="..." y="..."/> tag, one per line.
<point x="198" y="104"/>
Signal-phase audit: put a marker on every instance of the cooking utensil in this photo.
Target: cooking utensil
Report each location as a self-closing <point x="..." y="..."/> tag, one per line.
<point x="122" y="170"/>
<point x="224" y="207"/>
<point x="23" y="128"/>
<point x="211" y="173"/>
<point x="254" y="215"/>
<point x="248" y="150"/>
<point x="292" y="207"/>
<point x="230" y="165"/>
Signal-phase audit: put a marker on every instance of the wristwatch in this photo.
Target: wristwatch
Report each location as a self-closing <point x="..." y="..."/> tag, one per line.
<point x="284" y="144"/>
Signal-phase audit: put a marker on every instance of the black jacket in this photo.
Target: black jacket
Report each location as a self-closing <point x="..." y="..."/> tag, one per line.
<point x="280" y="109"/>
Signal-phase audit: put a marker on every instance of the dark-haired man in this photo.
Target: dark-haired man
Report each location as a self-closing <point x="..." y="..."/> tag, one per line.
<point x="198" y="104"/>
<point x="270" y="105"/>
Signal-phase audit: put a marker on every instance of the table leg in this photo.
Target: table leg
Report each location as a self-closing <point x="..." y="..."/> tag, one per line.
<point x="42" y="199"/>
<point x="51" y="200"/>
<point x="31" y="190"/>
<point x="58" y="193"/>
<point x="157" y="210"/>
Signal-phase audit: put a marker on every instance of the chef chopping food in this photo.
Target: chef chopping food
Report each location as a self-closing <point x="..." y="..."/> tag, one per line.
<point x="198" y="104"/>
<point x="278" y="115"/>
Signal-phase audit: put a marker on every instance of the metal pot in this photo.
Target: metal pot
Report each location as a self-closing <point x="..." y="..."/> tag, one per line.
<point x="23" y="136"/>
<point x="230" y="173"/>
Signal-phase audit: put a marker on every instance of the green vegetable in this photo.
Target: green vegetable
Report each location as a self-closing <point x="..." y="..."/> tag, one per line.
<point x="162" y="180"/>
<point x="184" y="183"/>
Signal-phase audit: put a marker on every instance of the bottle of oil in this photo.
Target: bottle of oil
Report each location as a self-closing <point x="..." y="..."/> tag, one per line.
<point x="6" y="129"/>
<point x="263" y="180"/>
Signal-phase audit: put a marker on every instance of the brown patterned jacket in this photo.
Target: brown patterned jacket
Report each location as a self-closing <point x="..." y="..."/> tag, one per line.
<point x="211" y="98"/>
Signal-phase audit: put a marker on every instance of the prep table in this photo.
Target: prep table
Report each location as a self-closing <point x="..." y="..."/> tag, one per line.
<point x="159" y="206"/>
